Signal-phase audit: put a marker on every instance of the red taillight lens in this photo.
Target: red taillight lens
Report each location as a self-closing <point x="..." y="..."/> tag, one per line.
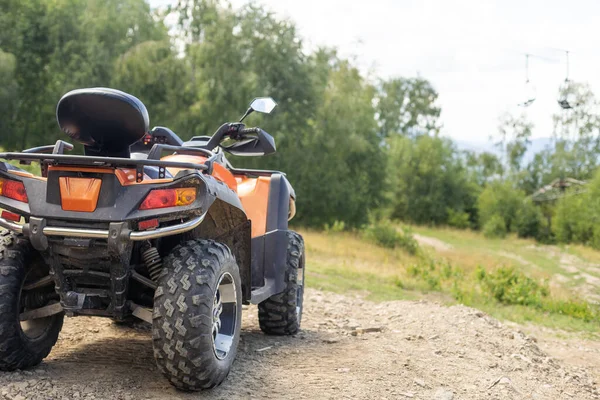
<point x="13" y="190"/>
<point x="161" y="198"/>
<point x="149" y="224"/>
<point x="10" y="216"/>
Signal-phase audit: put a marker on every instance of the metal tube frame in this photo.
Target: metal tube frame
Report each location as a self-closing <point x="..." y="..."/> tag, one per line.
<point x="135" y="236"/>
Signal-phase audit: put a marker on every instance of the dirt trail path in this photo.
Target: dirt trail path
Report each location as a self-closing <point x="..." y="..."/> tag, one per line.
<point x="422" y="351"/>
<point x="575" y="271"/>
<point x="437" y="244"/>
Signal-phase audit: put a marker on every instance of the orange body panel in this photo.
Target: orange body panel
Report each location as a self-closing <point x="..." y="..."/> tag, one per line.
<point x="25" y="174"/>
<point x="79" y="194"/>
<point x="82" y="169"/>
<point x="126" y="176"/>
<point x="254" y="194"/>
<point x="219" y="172"/>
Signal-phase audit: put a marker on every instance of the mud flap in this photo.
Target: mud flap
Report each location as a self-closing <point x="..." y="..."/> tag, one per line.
<point x="269" y="254"/>
<point x="269" y="251"/>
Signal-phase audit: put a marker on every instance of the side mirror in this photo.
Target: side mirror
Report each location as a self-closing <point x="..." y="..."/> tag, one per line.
<point x="260" y="104"/>
<point x="259" y="145"/>
<point x="263" y="105"/>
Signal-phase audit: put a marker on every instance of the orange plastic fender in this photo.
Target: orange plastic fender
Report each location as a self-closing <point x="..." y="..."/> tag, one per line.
<point x="254" y="194"/>
<point x="219" y="172"/>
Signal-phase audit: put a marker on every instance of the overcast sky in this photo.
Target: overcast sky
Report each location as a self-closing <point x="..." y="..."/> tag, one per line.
<point x="472" y="51"/>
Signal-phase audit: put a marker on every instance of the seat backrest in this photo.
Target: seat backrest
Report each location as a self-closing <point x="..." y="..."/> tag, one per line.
<point x="107" y="121"/>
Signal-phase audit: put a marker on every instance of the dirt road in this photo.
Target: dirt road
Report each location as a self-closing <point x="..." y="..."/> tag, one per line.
<point x="416" y="350"/>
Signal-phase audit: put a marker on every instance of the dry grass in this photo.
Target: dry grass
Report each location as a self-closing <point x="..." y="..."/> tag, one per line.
<point x="351" y="251"/>
<point x="345" y="262"/>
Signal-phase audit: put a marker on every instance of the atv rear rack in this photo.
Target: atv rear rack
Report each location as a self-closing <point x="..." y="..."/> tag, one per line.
<point x="94" y="161"/>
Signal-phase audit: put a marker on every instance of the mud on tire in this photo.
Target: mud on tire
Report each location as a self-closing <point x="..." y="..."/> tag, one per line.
<point x="281" y="314"/>
<point x="185" y="306"/>
<point x="22" y="345"/>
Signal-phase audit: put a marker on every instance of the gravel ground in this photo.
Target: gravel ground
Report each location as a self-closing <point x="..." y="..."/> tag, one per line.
<point x="348" y="348"/>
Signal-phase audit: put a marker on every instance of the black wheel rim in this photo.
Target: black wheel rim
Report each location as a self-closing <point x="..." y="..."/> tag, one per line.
<point x="224" y="315"/>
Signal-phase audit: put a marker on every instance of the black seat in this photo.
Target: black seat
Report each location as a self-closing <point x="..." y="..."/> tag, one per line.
<point x="106" y="121"/>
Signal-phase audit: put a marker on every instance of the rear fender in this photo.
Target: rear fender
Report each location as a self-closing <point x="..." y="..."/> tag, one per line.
<point x="269" y="251"/>
<point x="226" y="222"/>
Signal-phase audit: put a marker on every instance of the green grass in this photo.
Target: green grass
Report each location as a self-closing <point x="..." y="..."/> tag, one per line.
<point x="515" y="285"/>
<point x="526" y="315"/>
<point x="375" y="288"/>
<point x="473" y="248"/>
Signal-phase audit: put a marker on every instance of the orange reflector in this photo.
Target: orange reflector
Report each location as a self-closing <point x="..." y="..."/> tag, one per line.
<point x="161" y="198"/>
<point x="13" y="190"/>
<point x="10" y="216"/>
<point x="149" y="224"/>
<point x="79" y="194"/>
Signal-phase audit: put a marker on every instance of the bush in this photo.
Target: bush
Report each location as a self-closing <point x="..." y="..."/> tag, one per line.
<point x="502" y="199"/>
<point x="386" y="234"/>
<point x="428" y="272"/>
<point x="529" y="220"/>
<point x="572" y="222"/>
<point x="495" y="227"/>
<point x="574" y="308"/>
<point x="337" y="226"/>
<point x="458" y="219"/>
<point x="510" y="286"/>
<point x="427" y="176"/>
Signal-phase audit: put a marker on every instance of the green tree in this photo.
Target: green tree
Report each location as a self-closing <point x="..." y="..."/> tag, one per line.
<point x="572" y="221"/>
<point x="576" y="146"/>
<point x="500" y="198"/>
<point x="153" y="72"/>
<point x="515" y="134"/>
<point x="577" y="217"/>
<point x="483" y="167"/>
<point x="61" y="45"/>
<point x="407" y="106"/>
<point x="8" y="91"/>
<point x="342" y="165"/>
<point x="529" y="220"/>
<point x="426" y="178"/>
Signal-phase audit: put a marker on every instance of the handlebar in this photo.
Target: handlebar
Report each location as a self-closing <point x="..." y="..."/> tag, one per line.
<point x="232" y="130"/>
<point x="248" y="130"/>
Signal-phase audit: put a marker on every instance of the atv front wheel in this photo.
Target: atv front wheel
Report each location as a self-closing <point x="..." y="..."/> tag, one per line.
<point x="281" y="314"/>
<point x="23" y="344"/>
<point x="197" y="315"/>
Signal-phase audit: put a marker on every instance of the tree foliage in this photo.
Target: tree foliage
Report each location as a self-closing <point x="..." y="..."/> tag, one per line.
<point x="353" y="147"/>
<point x="502" y="199"/>
<point x="204" y="73"/>
<point x="407" y="106"/>
<point x="426" y="177"/>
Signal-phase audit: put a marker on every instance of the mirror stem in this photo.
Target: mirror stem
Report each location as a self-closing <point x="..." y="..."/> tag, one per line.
<point x="248" y="112"/>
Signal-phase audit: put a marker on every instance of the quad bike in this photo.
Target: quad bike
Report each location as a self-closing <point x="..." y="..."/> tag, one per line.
<point x="179" y="240"/>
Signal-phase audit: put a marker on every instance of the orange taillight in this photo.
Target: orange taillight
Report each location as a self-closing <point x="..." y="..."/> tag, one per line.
<point x="162" y="198"/>
<point x="13" y="190"/>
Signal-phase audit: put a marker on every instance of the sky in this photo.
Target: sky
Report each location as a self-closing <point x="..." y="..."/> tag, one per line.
<point x="472" y="51"/>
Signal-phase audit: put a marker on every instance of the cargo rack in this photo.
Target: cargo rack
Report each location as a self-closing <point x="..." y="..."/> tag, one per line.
<point x="52" y="155"/>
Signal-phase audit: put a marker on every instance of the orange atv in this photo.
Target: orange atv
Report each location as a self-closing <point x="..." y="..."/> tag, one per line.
<point x="180" y="241"/>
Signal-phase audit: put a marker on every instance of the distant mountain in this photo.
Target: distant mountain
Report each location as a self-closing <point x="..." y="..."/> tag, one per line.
<point x="536" y="146"/>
